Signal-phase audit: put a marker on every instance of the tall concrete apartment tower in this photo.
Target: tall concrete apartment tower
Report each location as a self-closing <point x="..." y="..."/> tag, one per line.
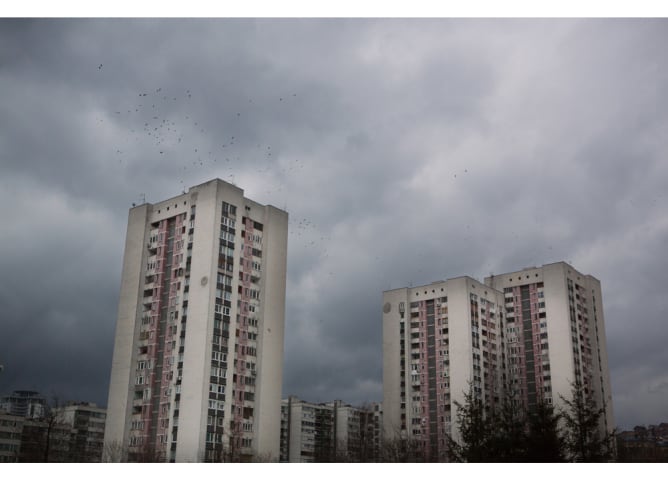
<point x="524" y="336"/>
<point x="555" y="336"/>
<point x="197" y="365"/>
<point x="439" y="341"/>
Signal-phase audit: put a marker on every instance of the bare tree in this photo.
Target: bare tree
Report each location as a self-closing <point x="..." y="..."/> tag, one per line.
<point x="400" y="448"/>
<point x="263" y="458"/>
<point x="113" y="452"/>
<point x="146" y="453"/>
<point x="47" y="438"/>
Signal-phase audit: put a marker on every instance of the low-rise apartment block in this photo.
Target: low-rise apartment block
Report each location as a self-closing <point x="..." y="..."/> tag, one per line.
<point x="329" y="432"/>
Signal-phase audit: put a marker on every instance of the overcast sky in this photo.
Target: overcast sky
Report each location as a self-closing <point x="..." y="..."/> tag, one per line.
<point x="405" y="151"/>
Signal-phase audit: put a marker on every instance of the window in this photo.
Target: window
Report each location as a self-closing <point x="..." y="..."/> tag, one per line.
<point x="217" y="388"/>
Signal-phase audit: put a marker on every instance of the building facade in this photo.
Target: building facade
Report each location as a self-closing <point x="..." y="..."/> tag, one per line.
<point x="197" y="366"/>
<point x="439" y="341"/>
<point x="86" y="424"/>
<point x="71" y="433"/>
<point x="11" y="431"/>
<point x="27" y="404"/>
<point x="555" y="333"/>
<point x="329" y="432"/>
<point x="307" y="431"/>
<point x="525" y="336"/>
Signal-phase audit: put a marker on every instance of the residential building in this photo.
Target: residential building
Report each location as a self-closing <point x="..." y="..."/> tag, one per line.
<point x="86" y="424"/>
<point x="307" y="433"/>
<point x="11" y="429"/>
<point x="46" y="440"/>
<point x="555" y="332"/>
<point x="328" y="432"/>
<point x="27" y="404"/>
<point x="197" y="365"/>
<point x="72" y="433"/>
<point x="525" y="336"/>
<point x="439" y="341"/>
<point x="645" y="444"/>
<point x="370" y="432"/>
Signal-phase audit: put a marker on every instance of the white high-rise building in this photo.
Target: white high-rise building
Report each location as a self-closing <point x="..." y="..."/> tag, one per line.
<point x="555" y="336"/>
<point x="198" y="356"/>
<point x="525" y="336"/>
<point x="439" y="341"/>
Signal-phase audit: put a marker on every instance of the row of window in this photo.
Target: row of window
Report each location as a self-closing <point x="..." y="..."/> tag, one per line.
<point x="221" y="309"/>
<point x="215" y="421"/>
<point x="217" y="388"/>
<point x="218" y="356"/>
<point x="229" y="211"/>
<point x="226" y="236"/>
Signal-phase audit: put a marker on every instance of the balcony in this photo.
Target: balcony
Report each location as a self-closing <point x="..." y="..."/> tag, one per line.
<point x="152" y="247"/>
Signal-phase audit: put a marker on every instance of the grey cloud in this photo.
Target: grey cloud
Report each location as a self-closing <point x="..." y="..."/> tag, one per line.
<point x="405" y="151"/>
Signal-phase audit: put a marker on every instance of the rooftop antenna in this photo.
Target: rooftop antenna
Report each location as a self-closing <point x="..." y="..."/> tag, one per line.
<point x="142" y="197"/>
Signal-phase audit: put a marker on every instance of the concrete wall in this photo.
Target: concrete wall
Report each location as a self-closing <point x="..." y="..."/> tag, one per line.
<point x="129" y="309"/>
<point x="271" y="330"/>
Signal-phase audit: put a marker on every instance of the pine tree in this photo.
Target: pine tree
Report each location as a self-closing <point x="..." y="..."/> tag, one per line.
<point x="585" y="443"/>
<point x="509" y="438"/>
<point x="476" y="432"/>
<point x="545" y="443"/>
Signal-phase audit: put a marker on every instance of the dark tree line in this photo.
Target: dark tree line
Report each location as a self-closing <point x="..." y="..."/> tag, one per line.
<point x="511" y="434"/>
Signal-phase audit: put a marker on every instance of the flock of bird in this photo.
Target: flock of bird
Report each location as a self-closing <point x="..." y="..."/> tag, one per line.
<point x="177" y="139"/>
<point x="163" y="131"/>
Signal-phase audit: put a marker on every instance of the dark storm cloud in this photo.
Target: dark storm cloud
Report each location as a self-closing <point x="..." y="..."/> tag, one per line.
<point x="406" y="151"/>
<point x="64" y="259"/>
